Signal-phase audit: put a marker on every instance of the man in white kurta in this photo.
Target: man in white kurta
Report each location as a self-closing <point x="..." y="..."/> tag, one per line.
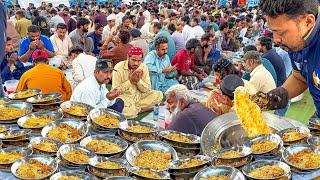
<point x="93" y="90"/>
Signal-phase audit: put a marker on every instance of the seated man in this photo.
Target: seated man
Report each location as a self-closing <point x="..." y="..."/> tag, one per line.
<point x="162" y="74"/>
<point x="189" y="73"/>
<point x="132" y="78"/>
<point x="34" y="41"/>
<point x="11" y="67"/>
<point x="61" y="44"/>
<point x="45" y="77"/>
<point x="260" y="77"/>
<point x="93" y="90"/>
<point x="186" y="116"/>
<point x="82" y="65"/>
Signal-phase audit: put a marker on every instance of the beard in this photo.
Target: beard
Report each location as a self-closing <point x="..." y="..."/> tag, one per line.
<point x="175" y="112"/>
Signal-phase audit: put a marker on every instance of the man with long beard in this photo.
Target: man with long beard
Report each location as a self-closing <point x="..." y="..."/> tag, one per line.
<point x="187" y="116"/>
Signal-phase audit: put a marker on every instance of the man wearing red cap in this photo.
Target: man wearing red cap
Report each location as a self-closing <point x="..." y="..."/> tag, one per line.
<point x="132" y="78"/>
<point x="45" y="77"/>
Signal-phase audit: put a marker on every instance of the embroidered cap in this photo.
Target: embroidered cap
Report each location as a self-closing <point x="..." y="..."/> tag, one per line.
<point x="135" y="51"/>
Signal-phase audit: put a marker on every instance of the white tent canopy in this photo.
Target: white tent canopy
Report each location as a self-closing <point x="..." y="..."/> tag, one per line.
<point x="37" y="3"/>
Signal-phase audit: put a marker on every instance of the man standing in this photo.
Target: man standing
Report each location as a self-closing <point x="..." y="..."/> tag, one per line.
<point x="296" y="28"/>
<point x="197" y="30"/>
<point x="132" y="78"/>
<point x="22" y="24"/>
<point x="34" y="41"/>
<point x="162" y="74"/>
<point x="93" y="90"/>
<point x="264" y="46"/>
<point x="79" y="36"/>
<point x="187" y="32"/>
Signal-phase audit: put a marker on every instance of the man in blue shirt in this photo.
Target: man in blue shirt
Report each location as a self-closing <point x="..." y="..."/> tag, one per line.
<point x="296" y="28"/>
<point x="96" y="36"/>
<point x="34" y="41"/>
<point x="160" y="32"/>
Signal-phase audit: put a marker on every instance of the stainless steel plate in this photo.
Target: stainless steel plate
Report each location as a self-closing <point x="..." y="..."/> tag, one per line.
<point x="51" y="114"/>
<point x="126" y="124"/>
<point x="293" y="149"/>
<point x="64" y="149"/>
<point x="98" y="159"/>
<point x="18" y="105"/>
<point x="83" y="127"/>
<point x="119" y="178"/>
<point x="38" y="140"/>
<point x="114" y="139"/>
<point x="19" y="134"/>
<point x="4" y="100"/>
<point x="12" y="95"/>
<point x="270" y="137"/>
<point x="246" y="151"/>
<point x="194" y="138"/>
<point x="314" y="141"/>
<point x="258" y="164"/>
<point x="162" y="174"/>
<point x="80" y="174"/>
<point x="33" y="100"/>
<point x="49" y="161"/>
<point x="174" y="165"/>
<point x="231" y="172"/>
<point x="21" y="150"/>
<point x="69" y="104"/>
<point x="135" y="149"/>
<point x="101" y="111"/>
<point x="226" y="131"/>
<point x="304" y="130"/>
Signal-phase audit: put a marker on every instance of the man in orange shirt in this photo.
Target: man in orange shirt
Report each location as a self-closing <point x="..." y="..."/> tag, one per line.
<point x="45" y="77"/>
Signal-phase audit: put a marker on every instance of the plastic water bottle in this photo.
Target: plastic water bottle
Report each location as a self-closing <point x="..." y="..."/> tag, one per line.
<point x="156" y="112"/>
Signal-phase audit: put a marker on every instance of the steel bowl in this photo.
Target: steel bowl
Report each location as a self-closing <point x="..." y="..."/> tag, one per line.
<point x="298" y="129"/>
<point x="314" y="141"/>
<point x="47" y="160"/>
<point x="175" y="169"/>
<point x="51" y="114"/>
<point x="136" y="136"/>
<point x="114" y="139"/>
<point x="258" y="164"/>
<point x="83" y="127"/>
<point x="79" y="174"/>
<point x="135" y="149"/>
<point x="163" y="175"/>
<point x="315" y="122"/>
<point x="22" y="150"/>
<point x="68" y="104"/>
<point x="102" y="111"/>
<point x="38" y="140"/>
<point x="231" y="172"/>
<point x="107" y="172"/>
<point x="194" y="138"/>
<point x="119" y="178"/>
<point x="270" y="137"/>
<point x="34" y="99"/>
<point x="18" y="105"/>
<point x="4" y="128"/>
<point x="295" y="149"/>
<point x="64" y="149"/>
<point x="4" y="100"/>
<point x="21" y="134"/>
<point x="234" y="162"/>
<point x="12" y="95"/>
